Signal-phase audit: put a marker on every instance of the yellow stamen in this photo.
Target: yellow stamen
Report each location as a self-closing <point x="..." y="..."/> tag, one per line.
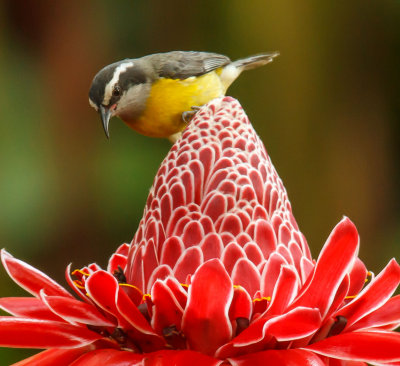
<point x="146" y="296"/>
<point x="77" y="283"/>
<point x="129" y="285"/>
<point x="81" y="272"/>
<point x="369" y="275"/>
<point x="268" y="298"/>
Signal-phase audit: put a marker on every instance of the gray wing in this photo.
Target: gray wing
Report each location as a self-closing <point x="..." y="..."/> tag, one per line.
<point x="184" y="64"/>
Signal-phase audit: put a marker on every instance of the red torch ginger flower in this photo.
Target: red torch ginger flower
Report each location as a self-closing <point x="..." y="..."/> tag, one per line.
<point x="218" y="273"/>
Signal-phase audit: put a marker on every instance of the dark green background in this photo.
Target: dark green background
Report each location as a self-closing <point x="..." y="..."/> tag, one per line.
<point x="327" y="110"/>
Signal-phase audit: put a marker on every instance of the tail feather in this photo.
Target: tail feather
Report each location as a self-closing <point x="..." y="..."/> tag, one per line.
<point x="252" y="62"/>
<point x="231" y="71"/>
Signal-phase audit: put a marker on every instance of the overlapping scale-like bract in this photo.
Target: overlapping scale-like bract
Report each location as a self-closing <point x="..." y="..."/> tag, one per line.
<point x="217" y="195"/>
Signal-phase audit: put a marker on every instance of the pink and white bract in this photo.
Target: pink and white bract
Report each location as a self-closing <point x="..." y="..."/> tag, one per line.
<point x="218" y="273"/>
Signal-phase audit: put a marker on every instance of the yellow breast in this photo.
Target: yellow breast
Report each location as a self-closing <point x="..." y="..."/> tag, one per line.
<point x="169" y="98"/>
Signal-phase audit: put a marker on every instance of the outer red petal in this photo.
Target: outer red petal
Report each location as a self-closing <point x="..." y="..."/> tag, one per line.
<point x="335" y="260"/>
<point x="29" y="278"/>
<point x="296" y="324"/>
<point x="27" y="307"/>
<point x="111" y="357"/>
<point x="336" y="362"/>
<point x="292" y="357"/>
<point x="52" y="357"/>
<point x="33" y="333"/>
<point x="73" y="311"/>
<point x="205" y="321"/>
<point x="373" y="347"/>
<point x="388" y="314"/>
<point x="373" y="296"/>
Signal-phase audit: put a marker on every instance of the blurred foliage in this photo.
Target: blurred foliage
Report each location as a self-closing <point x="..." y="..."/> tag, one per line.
<point x="327" y="110"/>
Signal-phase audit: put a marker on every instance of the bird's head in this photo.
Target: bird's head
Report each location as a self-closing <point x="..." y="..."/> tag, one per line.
<point x="120" y="89"/>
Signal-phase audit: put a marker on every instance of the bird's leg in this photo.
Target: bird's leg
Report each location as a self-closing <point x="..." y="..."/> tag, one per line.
<point x="188" y="115"/>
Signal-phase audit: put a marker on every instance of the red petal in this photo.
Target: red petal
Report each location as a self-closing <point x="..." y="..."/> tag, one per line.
<point x="242" y="305"/>
<point x="292" y="357"/>
<point x="141" y="332"/>
<point x="374" y="295"/>
<point x="358" y="275"/>
<point x="246" y="274"/>
<point x="160" y="273"/>
<point x="51" y="357"/>
<point x="369" y="347"/>
<point x="166" y="311"/>
<point x="387" y="314"/>
<point x="178" y="291"/>
<point x="111" y="357"/>
<point x="285" y="290"/>
<point x="298" y="323"/>
<point x="76" y="311"/>
<point x="29" y="278"/>
<point x="149" y="260"/>
<point x="27" y="307"/>
<point x="102" y="288"/>
<point x="116" y="261"/>
<point x="126" y="308"/>
<point x="340" y="296"/>
<point x="33" y="333"/>
<point x="271" y="273"/>
<point x="205" y="321"/>
<point x="123" y="249"/>
<point x="333" y="263"/>
<point x="336" y="362"/>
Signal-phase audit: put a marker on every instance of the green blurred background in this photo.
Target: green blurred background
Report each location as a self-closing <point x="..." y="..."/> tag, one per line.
<point x="327" y="110"/>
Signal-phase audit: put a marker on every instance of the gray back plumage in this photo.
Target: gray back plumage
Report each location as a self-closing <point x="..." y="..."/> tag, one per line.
<point x="184" y="64"/>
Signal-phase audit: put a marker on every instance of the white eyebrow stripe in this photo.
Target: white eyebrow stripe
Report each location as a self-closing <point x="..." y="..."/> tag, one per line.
<point x="109" y="87"/>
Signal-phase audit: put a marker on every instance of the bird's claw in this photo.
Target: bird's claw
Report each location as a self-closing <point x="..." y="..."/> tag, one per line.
<point x="188" y="115"/>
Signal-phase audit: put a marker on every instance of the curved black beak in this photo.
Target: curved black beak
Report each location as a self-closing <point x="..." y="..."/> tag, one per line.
<point x="105" y="114"/>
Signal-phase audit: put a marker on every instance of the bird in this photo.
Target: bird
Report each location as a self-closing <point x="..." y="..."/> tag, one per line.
<point x="158" y="94"/>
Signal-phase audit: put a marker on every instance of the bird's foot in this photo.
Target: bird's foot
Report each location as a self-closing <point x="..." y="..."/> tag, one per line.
<point x="188" y="115"/>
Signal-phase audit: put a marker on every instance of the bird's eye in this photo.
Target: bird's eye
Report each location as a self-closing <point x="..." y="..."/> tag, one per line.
<point x="116" y="91"/>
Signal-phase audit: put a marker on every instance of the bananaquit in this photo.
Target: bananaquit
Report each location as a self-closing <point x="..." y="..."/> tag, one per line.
<point x="155" y="94"/>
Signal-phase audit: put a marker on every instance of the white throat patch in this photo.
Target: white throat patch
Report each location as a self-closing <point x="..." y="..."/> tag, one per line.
<point x="109" y="87"/>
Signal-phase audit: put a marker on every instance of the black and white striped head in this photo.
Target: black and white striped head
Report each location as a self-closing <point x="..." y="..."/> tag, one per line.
<point x="120" y="89"/>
